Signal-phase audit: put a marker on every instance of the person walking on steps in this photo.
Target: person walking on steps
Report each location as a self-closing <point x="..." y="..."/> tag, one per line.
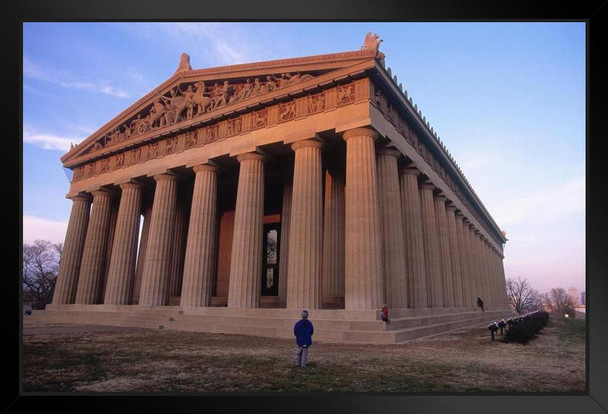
<point x="384" y="314"/>
<point x="480" y="304"/>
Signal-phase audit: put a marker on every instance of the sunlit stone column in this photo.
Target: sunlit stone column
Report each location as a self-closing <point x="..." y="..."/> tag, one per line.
<point x="121" y="273"/>
<point x="494" y="271"/>
<point x="491" y="273"/>
<point x="483" y="280"/>
<point x="284" y="242"/>
<point x="180" y="232"/>
<point x="432" y="252"/>
<point x="444" y="248"/>
<point x="465" y="271"/>
<point x="472" y="259"/>
<point x="201" y="246"/>
<point x="306" y="227"/>
<point x="413" y="237"/>
<point x="92" y="268"/>
<point x="391" y="221"/>
<point x="246" y="259"/>
<point x="501" y="273"/>
<point x="333" y="236"/>
<point x="69" y="265"/>
<point x="155" y="278"/>
<point x="455" y="255"/>
<point x="486" y="270"/>
<point x="500" y="281"/>
<point x="363" y="261"/>
<point x="141" y="255"/>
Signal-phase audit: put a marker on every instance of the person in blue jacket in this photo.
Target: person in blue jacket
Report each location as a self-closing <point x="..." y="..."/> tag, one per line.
<point x="303" y="330"/>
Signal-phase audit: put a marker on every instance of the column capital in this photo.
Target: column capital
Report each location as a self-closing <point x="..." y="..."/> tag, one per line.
<point x="427" y="186"/>
<point x="357" y="132"/>
<point x="102" y="192"/>
<point x="393" y="152"/>
<point x="251" y="156"/>
<point x="410" y="170"/>
<point x="459" y="215"/>
<point x="166" y="176"/>
<point x="82" y="196"/>
<point x="440" y="197"/>
<point x="450" y="207"/>
<point x="131" y="184"/>
<point x="204" y="167"/>
<point x="306" y="143"/>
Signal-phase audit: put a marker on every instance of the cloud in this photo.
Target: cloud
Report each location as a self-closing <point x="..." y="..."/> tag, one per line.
<point x="37" y="228"/>
<point x="49" y="75"/>
<point x="216" y="43"/>
<point x="48" y="141"/>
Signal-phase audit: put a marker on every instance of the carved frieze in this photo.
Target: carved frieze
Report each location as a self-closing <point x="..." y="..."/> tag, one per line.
<point x="274" y="114"/>
<point x="190" y="100"/>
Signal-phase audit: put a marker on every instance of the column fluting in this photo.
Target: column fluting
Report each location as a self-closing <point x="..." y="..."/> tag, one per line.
<point x="92" y="268"/>
<point x="333" y="236"/>
<point x="391" y="222"/>
<point x="455" y="256"/>
<point x="141" y="254"/>
<point x="121" y="273"/>
<point x="432" y="253"/>
<point x="413" y="237"/>
<point x="246" y="256"/>
<point x="465" y="269"/>
<point x="306" y="227"/>
<point x="201" y="246"/>
<point x="285" y="225"/>
<point x="444" y="248"/>
<point x="69" y="266"/>
<point x="157" y="266"/>
<point x="363" y="262"/>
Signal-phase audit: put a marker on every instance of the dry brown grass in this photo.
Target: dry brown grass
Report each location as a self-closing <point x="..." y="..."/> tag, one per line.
<point x="169" y="361"/>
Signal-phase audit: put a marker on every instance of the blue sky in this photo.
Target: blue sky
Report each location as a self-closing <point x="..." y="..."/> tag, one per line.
<point x="507" y="99"/>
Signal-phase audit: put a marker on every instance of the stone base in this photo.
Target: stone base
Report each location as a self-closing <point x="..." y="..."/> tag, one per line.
<point x="362" y="326"/>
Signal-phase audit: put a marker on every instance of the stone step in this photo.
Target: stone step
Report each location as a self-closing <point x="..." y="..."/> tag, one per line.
<point x="410" y="322"/>
<point x="265" y="322"/>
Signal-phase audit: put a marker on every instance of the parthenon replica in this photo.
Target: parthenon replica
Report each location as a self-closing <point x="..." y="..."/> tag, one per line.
<point x="230" y="198"/>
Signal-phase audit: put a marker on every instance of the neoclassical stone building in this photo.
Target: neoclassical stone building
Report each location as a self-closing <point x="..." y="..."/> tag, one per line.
<point x="229" y="198"/>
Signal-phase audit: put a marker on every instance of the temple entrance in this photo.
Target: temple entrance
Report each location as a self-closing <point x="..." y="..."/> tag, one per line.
<point x="270" y="260"/>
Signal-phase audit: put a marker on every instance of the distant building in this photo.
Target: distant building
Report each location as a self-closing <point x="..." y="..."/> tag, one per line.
<point x="573" y="292"/>
<point x="583" y="299"/>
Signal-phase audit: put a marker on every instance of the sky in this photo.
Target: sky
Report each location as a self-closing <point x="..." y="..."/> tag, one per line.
<point x="506" y="98"/>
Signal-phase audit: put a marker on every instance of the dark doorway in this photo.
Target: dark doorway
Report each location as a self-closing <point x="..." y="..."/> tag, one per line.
<point x="270" y="266"/>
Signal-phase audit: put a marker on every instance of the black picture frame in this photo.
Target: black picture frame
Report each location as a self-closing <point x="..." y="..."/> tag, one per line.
<point x="595" y="13"/>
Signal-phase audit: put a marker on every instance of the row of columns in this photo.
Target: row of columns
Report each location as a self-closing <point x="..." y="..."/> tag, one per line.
<point x="376" y="236"/>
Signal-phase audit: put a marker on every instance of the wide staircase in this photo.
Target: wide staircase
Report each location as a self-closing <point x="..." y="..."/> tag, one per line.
<point x="331" y="325"/>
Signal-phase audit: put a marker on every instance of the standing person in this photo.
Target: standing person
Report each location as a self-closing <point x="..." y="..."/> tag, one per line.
<point x="303" y="331"/>
<point x="384" y="314"/>
<point x="480" y="304"/>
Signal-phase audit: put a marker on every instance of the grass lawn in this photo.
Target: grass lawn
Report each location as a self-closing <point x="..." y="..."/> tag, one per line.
<point x="169" y="361"/>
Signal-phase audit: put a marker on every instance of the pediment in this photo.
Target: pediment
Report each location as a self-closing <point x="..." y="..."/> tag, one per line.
<point x="196" y="96"/>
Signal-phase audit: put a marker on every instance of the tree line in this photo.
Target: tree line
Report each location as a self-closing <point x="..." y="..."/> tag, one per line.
<point x="523" y="298"/>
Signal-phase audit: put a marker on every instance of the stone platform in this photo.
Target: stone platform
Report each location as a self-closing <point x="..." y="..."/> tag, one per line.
<point x="330" y="325"/>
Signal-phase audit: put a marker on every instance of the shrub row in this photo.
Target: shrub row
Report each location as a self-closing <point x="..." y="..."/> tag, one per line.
<point x="521" y="329"/>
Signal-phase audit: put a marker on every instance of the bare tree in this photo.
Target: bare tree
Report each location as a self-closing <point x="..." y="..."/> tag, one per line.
<point x="558" y="301"/>
<point x="40" y="267"/>
<point x="521" y="295"/>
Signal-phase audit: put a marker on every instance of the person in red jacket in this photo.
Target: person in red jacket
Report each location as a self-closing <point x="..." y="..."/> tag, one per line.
<point x="384" y="314"/>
